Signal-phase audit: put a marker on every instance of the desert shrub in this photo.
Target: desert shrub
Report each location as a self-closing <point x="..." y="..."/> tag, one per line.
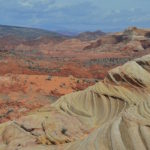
<point x="107" y="61"/>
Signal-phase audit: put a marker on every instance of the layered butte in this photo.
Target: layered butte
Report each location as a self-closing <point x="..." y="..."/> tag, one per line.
<point x="112" y="114"/>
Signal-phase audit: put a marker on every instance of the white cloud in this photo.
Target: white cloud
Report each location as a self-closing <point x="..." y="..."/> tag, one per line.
<point x="32" y="3"/>
<point x="26" y="4"/>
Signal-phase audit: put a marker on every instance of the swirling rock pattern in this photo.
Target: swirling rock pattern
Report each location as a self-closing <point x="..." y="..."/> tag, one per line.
<point x="114" y="114"/>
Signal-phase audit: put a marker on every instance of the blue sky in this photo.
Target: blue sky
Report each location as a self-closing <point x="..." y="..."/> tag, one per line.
<point x="76" y="15"/>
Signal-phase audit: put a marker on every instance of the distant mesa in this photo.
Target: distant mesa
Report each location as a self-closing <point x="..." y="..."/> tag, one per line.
<point x="132" y="37"/>
<point x="28" y="33"/>
<point x="34" y="33"/>
<point x="90" y="35"/>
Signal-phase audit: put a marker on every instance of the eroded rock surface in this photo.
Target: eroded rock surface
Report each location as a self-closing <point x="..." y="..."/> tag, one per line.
<point x="113" y="114"/>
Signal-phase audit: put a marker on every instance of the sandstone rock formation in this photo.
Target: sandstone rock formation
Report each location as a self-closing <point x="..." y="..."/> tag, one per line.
<point x="113" y="114"/>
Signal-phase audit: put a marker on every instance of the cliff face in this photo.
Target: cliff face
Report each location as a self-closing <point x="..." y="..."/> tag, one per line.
<point x="112" y="114"/>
